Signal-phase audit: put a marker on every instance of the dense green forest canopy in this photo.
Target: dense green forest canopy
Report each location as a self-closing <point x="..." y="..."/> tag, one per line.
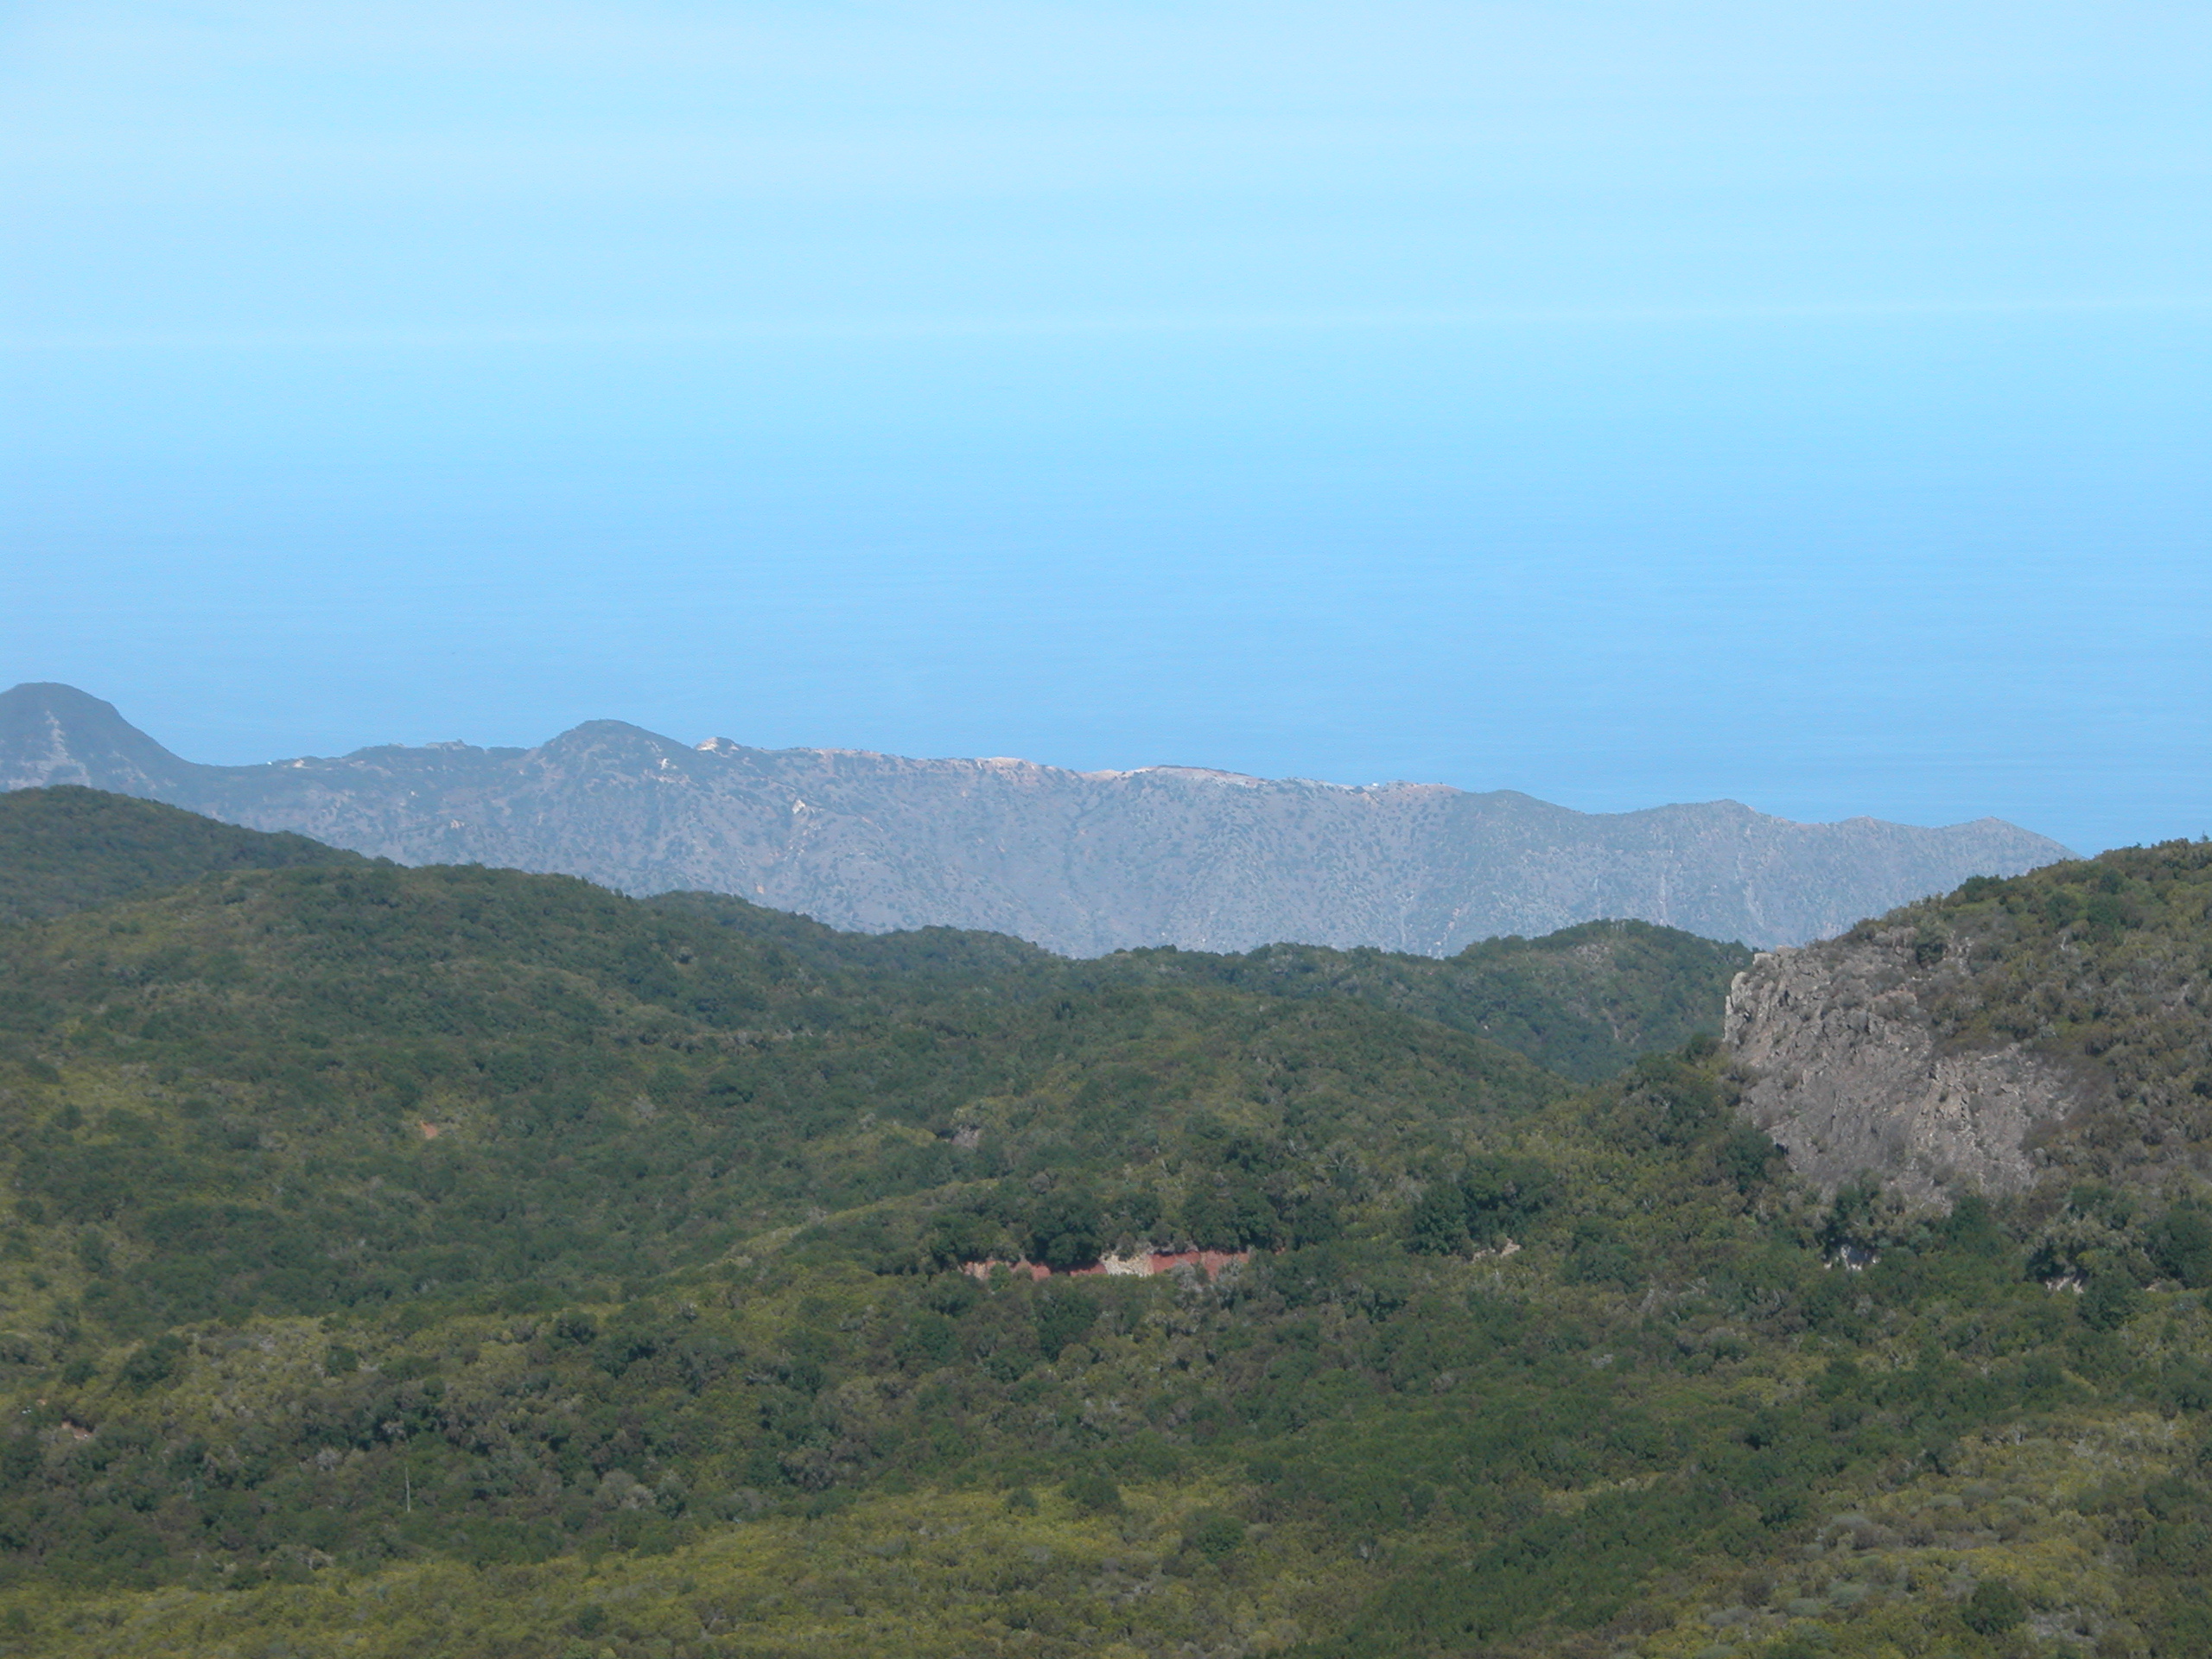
<point x="466" y="1261"/>
<point x="67" y="848"/>
<point x="1582" y="1003"/>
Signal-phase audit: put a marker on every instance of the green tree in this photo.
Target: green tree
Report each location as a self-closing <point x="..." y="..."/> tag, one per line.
<point x="1993" y="1608"/>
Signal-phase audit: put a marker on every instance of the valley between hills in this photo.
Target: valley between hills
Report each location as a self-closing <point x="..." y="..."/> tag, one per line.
<point x="439" y="1258"/>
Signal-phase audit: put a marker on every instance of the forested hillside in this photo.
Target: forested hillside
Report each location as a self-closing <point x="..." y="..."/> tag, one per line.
<point x="67" y="849"/>
<point x="461" y="1262"/>
<point x="1583" y="1002"/>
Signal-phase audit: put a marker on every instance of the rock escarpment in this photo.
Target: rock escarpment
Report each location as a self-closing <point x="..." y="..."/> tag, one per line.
<point x="2053" y="1028"/>
<point x="1847" y="1071"/>
<point x="1082" y="863"/>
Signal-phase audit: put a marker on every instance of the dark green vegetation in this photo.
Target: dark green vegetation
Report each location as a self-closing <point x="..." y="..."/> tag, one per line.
<point x="1582" y="1003"/>
<point x="461" y="1261"/>
<point x="69" y="848"/>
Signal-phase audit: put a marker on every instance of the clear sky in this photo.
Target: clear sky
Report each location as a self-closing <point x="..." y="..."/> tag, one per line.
<point x="1808" y="404"/>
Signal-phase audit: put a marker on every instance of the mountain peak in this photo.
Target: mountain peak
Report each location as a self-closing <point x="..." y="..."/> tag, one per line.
<point x="54" y="734"/>
<point x="612" y="734"/>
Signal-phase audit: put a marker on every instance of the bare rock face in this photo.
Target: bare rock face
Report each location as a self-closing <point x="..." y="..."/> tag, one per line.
<point x="1848" y="1076"/>
<point x="1082" y="864"/>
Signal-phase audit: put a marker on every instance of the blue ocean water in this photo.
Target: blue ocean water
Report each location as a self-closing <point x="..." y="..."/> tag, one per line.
<point x="1920" y="566"/>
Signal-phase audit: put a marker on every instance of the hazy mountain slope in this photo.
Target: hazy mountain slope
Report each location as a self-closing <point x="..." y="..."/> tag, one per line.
<point x="2051" y="1027"/>
<point x="1084" y="863"/>
<point x="67" y="848"/>
<point x="56" y="735"/>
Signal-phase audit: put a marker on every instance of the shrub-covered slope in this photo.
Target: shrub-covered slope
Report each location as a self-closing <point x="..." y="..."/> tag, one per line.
<point x="1583" y="1002"/>
<point x="2103" y="968"/>
<point x="474" y="1075"/>
<point x="470" y="1263"/>
<point x="67" y="848"/>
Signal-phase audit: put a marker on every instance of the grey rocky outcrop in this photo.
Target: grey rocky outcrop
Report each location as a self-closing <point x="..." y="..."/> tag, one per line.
<point x="1845" y="1072"/>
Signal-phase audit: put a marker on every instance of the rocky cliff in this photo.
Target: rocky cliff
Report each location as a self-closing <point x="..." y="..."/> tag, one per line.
<point x="1845" y="1072"/>
<point x="2058" y="1025"/>
<point x="1082" y="862"/>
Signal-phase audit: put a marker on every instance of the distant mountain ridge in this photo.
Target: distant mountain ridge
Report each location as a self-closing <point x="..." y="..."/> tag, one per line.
<point x="1080" y="862"/>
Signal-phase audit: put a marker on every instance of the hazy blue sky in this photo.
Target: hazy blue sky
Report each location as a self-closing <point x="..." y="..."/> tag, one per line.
<point x="1806" y="403"/>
